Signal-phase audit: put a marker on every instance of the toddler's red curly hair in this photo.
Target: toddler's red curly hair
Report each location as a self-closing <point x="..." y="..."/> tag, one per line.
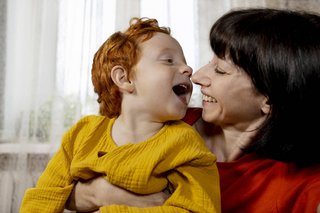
<point x="121" y="48"/>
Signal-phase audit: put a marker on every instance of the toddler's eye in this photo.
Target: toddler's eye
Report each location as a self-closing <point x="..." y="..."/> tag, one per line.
<point x="169" y="60"/>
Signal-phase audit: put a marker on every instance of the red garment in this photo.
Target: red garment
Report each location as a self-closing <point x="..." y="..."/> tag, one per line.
<point x="260" y="185"/>
<point x="192" y="115"/>
<point x="253" y="184"/>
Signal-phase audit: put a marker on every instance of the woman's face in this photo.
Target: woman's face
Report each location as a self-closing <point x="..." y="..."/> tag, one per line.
<point x="229" y="97"/>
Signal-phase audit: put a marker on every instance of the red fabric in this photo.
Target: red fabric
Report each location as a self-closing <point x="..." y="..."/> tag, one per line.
<point x="259" y="185"/>
<point x="192" y="115"/>
<point x="254" y="184"/>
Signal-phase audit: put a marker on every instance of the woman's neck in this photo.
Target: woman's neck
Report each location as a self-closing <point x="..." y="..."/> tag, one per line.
<point x="226" y="145"/>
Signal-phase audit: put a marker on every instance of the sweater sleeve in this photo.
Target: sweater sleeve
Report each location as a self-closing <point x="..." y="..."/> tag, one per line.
<point x="196" y="188"/>
<point x="55" y="183"/>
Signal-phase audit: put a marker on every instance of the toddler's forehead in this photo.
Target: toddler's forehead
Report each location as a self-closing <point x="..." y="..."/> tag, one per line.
<point x="159" y="39"/>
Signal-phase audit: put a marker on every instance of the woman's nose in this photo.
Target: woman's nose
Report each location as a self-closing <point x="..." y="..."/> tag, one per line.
<point x="195" y="77"/>
<point x="199" y="78"/>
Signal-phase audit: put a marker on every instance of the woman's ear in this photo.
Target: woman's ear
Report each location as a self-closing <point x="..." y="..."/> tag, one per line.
<point x="265" y="107"/>
<point x="120" y="77"/>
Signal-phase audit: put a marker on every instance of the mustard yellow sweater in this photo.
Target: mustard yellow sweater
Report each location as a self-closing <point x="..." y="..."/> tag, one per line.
<point x="176" y="157"/>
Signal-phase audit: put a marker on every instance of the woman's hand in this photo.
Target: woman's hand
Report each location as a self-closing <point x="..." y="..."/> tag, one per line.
<point x="98" y="192"/>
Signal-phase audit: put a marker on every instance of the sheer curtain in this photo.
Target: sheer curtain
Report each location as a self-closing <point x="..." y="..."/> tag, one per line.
<point x="47" y="48"/>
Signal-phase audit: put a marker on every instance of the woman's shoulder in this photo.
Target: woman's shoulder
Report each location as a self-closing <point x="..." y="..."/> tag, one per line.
<point x="275" y="168"/>
<point x="292" y="174"/>
<point x="309" y="175"/>
<point x="303" y="183"/>
<point x="278" y="183"/>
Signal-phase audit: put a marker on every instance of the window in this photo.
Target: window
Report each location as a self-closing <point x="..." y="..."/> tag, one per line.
<point x="50" y="47"/>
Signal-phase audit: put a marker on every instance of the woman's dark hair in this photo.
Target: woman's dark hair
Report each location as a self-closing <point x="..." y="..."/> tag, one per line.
<point x="280" y="51"/>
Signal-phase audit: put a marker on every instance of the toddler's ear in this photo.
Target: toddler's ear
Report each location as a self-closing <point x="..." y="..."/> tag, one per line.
<point x="120" y="77"/>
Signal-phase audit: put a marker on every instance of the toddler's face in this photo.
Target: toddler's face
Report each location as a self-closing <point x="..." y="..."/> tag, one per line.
<point x="162" y="79"/>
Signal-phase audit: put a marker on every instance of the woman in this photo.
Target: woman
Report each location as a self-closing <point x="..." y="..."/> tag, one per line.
<point x="260" y="92"/>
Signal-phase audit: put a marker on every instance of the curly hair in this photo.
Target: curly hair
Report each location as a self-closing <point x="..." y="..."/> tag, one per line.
<point x="121" y="48"/>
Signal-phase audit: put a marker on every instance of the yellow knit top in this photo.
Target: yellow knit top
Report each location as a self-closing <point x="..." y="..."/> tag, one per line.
<point x="175" y="158"/>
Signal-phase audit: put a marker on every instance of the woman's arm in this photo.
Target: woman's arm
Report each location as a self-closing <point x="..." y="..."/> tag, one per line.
<point x="98" y="192"/>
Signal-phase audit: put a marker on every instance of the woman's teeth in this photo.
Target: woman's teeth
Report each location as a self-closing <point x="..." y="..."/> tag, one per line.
<point x="208" y="99"/>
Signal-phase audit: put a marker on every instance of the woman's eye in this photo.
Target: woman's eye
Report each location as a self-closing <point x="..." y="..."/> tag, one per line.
<point x="217" y="70"/>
